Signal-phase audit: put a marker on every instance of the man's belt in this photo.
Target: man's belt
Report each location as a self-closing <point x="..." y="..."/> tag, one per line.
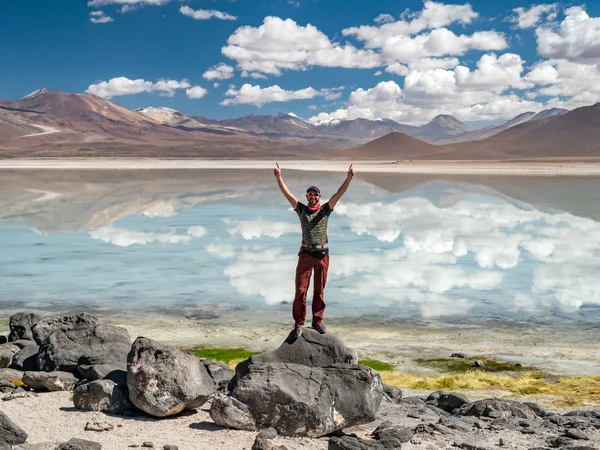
<point x="313" y="246"/>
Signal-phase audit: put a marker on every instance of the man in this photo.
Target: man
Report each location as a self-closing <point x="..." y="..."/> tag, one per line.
<point x="314" y="252"/>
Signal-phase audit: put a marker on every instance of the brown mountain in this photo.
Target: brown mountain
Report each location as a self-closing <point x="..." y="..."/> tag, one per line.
<point x="574" y="134"/>
<point x="393" y="146"/>
<point x="441" y="128"/>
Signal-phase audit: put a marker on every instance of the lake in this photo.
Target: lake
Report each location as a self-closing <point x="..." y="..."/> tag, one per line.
<point x="208" y="243"/>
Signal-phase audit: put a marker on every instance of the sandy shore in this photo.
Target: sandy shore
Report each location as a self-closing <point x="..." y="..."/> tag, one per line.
<point x="584" y="167"/>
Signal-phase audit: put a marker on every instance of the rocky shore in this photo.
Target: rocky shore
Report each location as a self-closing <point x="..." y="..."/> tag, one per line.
<point x="74" y="382"/>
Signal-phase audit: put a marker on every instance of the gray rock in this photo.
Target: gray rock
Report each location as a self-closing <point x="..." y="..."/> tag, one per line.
<point x="496" y="409"/>
<point x="102" y="395"/>
<point x="148" y="444"/>
<point x="448" y="401"/>
<point x="23" y="342"/>
<point x="353" y="443"/>
<point x="98" y="425"/>
<point x="574" y="433"/>
<point x="312" y="349"/>
<point x="10" y="432"/>
<point x="6" y="386"/>
<point x="591" y="413"/>
<point x="456" y="424"/>
<point x="392" y="393"/>
<point x="478" y="363"/>
<point x="21" y="325"/>
<point x="230" y="412"/>
<point x="7" y="351"/>
<point x="79" y="444"/>
<point x="26" y="358"/>
<point x="11" y="374"/>
<point x="298" y="400"/>
<point x="170" y="447"/>
<point x="104" y="372"/>
<point x="537" y="409"/>
<point x="163" y="381"/>
<point x="260" y="443"/>
<point x="48" y="325"/>
<point x="268" y="433"/>
<point x="100" y="344"/>
<point x="219" y="371"/>
<point x="51" y="381"/>
<point x="459" y="355"/>
<point x="392" y="436"/>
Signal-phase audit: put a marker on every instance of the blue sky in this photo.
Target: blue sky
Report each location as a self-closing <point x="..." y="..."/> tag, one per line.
<point x="320" y="59"/>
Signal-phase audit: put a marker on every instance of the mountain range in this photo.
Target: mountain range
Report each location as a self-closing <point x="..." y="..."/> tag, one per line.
<point x="57" y="124"/>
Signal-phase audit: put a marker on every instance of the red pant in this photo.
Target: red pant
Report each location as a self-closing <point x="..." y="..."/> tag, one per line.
<point x="306" y="264"/>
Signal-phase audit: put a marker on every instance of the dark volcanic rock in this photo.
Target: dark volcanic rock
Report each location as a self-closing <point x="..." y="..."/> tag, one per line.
<point x="3" y="339"/>
<point x="392" y="393"/>
<point x="163" y="381"/>
<point x="230" y="412"/>
<point x="102" y="395"/>
<point x="104" y="372"/>
<point x="219" y="371"/>
<point x="26" y="358"/>
<point x="7" y="351"/>
<point x="298" y="400"/>
<point x="448" y="401"/>
<point x="392" y="436"/>
<point x="496" y="409"/>
<point x="592" y="413"/>
<point x="48" y="325"/>
<point x="100" y="344"/>
<point x="51" y="381"/>
<point x="537" y="409"/>
<point x="79" y="444"/>
<point x="21" y="325"/>
<point x="10" y="433"/>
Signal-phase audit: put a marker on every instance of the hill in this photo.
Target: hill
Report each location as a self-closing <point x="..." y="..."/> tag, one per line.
<point x="393" y="146"/>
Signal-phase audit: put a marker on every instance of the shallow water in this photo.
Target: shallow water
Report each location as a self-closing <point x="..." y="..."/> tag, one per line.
<point x="205" y="243"/>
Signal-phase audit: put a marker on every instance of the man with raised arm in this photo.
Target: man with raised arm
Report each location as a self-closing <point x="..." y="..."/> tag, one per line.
<point x="314" y="251"/>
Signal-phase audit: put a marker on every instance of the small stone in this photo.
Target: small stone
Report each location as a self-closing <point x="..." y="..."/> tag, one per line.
<point x="96" y="425"/>
<point x="268" y="433"/>
<point x="459" y="355"/>
<point x="574" y="433"/>
<point x="170" y="447"/>
<point x="79" y="444"/>
<point x="148" y="444"/>
<point x="501" y="442"/>
<point x="478" y="363"/>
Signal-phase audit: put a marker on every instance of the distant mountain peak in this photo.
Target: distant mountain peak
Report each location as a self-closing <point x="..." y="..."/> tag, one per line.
<point x="37" y="92"/>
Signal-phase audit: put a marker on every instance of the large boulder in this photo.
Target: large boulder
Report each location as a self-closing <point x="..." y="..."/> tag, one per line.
<point x="65" y="350"/>
<point x="21" y="325"/>
<point x="26" y="358"/>
<point x="163" y="380"/>
<point x="10" y="432"/>
<point x="299" y="400"/>
<point x="495" y="408"/>
<point x="448" y="401"/>
<point x="102" y="395"/>
<point x="230" y="412"/>
<point x="50" y="381"/>
<point x="104" y="372"/>
<point x="48" y="325"/>
<point x="7" y="351"/>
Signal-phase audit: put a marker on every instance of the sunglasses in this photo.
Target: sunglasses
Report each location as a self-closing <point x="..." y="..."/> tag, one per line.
<point x="313" y="194"/>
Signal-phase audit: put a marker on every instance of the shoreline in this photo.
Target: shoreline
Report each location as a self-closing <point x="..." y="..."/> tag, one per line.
<point x="512" y="167"/>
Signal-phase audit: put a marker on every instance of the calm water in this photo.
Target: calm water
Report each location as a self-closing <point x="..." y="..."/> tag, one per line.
<point x="202" y="243"/>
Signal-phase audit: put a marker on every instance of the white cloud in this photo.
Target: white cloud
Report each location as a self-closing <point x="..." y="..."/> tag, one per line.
<point x="255" y="75"/>
<point x="216" y="85"/>
<point x="100" y="17"/>
<point x="204" y="14"/>
<point x="577" y="38"/>
<point x="384" y="18"/>
<point x="251" y="229"/>
<point x="284" y="45"/>
<point x="124" y="86"/>
<point x="221" y="71"/>
<point x="125" y="237"/>
<point x="529" y="18"/>
<point x="255" y="95"/>
<point x="222" y="251"/>
<point x="127" y="2"/>
<point x="197" y="231"/>
<point x="196" y="92"/>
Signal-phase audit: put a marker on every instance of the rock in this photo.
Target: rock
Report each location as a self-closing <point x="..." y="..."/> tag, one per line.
<point x="7" y="351"/>
<point x="574" y="433"/>
<point x="392" y="393"/>
<point x="163" y="381"/>
<point x="51" y="381"/>
<point x="312" y="349"/>
<point x="79" y="444"/>
<point x="21" y="325"/>
<point x="23" y="342"/>
<point x="97" y="425"/>
<point x="3" y="340"/>
<point x="102" y="395"/>
<point x="219" y="371"/>
<point x="6" y="386"/>
<point x="104" y="372"/>
<point x="353" y="443"/>
<point x="298" y="400"/>
<point x="591" y="413"/>
<point x="100" y="344"/>
<point x="469" y="446"/>
<point x="26" y="358"/>
<point x="10" y="432"/>
<point x="448" y="401"/>
<point x="478" y="363"/>
<point x="459" y="355"/>
<point x="537" y="409"/>
<point x="456" y="424"/>
<point x="230" y="412"/>
<point x="48" y="325"/>
<point x="268" y="433"/>
<point x="11" y="374"/>
<point x="170" y="447"/>
<point x="495" y="409"/>
<point x="392" y="436"/>
<point x="260" y="443"/>
<point x="148" y="444"/>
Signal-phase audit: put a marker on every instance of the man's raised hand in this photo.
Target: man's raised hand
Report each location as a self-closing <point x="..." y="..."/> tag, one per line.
<point x="277" y="171"/>
<point x="350" y="172"/>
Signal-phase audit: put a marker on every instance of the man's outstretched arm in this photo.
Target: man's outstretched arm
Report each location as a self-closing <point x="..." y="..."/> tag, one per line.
<point x="336" y="197"/>
<point x="284" y="189"/>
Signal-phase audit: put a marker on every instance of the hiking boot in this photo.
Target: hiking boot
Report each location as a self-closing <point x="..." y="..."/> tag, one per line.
<point x="296" y="333"/>
<point x="319" y="327"/>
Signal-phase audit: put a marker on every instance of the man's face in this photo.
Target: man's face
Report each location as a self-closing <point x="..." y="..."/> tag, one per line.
<point x="313" y="198"/>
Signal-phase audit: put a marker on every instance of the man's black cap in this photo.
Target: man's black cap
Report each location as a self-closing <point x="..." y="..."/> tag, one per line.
<point x="314" y="189"/>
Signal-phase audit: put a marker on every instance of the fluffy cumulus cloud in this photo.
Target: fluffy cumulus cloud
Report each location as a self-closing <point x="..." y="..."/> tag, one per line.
<point x="576" y="39"/>
<point x="205" y="14"/>
<point x="124" y="86"/>
<point x="280" y="44"/>
<point x="255" y="95"/>
<point x="221" y="71"/>
<point x="530" y="17"/>
<point x="196" y="92"/>
<point x="100" y="17"/>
